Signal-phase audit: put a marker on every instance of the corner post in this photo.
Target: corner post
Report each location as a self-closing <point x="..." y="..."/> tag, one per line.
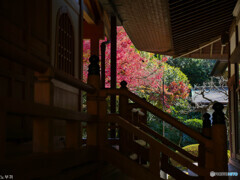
<point x="42" y="127"/>
<point x="92" y="102"/>
<point x="123" y="110"/>
<point x="219" y="138"/>
<point x="205" y="157"/>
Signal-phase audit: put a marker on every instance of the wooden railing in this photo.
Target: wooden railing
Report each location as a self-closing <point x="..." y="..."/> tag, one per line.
<point x="158" y="149"/>
<point x="159" y="113"/>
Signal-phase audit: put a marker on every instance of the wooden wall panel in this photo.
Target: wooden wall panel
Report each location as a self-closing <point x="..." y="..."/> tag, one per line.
<point x="17" y="82"/>
<point x="40" y="29"/>
<point x="65" y="97"/>
<point x="13" y="21"/>
<point x="26" y="25"/>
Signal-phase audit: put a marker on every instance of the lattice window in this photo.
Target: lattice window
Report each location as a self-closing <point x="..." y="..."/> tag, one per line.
<point x="65" y="45"/>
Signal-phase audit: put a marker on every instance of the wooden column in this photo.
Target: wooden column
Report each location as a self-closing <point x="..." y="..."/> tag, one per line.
<point x="103" y="49"/>
<point x="92" y="102"/>
<point x="73" y="134"/>
<point x="95" y="46"/>
<point x="113" y="65"/>
<point x="219" y="137"/>
<point x="102" y="133"/>
<point x="94" y="32"/>
<point x="80" y="68"/>
<point x="42" y="127"/>
<point x="123" y="110"/>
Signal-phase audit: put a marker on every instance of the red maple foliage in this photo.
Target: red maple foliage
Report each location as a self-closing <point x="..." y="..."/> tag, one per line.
<point x="141" y="73"/>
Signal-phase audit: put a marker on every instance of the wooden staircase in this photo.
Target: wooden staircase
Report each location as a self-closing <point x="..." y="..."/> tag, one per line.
<point x="156" y="153"/>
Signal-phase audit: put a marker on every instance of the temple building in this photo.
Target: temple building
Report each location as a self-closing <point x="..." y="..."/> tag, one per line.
<point x="42" y="121"/>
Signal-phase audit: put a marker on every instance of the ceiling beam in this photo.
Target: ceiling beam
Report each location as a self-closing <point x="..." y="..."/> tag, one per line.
<point x="207" y="44"/>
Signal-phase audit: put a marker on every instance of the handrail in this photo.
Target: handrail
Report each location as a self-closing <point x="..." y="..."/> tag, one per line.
<point x="167" y="142"/>
<point x="157" y="145"/>
<point x="158" y="112"/>
<point x="14" y="106"/>
<point x="59" y="75"/>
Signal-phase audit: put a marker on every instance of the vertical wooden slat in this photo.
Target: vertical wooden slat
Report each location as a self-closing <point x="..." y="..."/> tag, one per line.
<point x="103" y="48"/>
<point x="68" y="50"/>
<point x="65" y="43"/>
<point x="113" y="65"/>
<point x="80" y="53"/>
<point x="154" y="158"/>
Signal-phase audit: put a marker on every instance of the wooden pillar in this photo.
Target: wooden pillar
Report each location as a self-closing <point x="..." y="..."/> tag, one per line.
<point x="102" y="133"/>
<point x="92" y="103"/>
<point x="73" y="134"/>
<point x="113" y="65"/>
<point x="219" y="137"/>
<point x="123" y="110"/>
<point x="42" y="127"/>
<point x="95" y="46"/>
<point x="80" y="68"/>
<point x="103" y="49"/>
<point x="2" y="135"/>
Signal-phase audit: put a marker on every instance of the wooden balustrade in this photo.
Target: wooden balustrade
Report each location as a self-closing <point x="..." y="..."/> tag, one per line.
<point x="167" y="142"/>
<point x="210" y="143"/>
<point x="157" y="147"/>
<point x="164" y="116"/>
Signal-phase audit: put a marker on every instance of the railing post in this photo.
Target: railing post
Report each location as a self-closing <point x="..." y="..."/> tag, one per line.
<point x="92" y="103"/>
<point x="143" y="119"/>
<point x="102" y="132"/>
<point x="123" y="110"/>
<point x="154" y="160"/>
<point x="42" y="127"/>
<point x="219" y="138"/>
<point x="205" y="157"/>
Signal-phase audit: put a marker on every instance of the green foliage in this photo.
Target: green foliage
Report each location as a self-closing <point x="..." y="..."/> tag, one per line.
<point x="171" y="133"/>
<point x="197" y="70"/>
<point x="193" y="149"/>
<point x="195" y="124"/>
<point x="172" y="73"/>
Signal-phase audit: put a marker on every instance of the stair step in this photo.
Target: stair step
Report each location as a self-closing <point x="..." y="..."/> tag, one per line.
<point x="141" y="142"/>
